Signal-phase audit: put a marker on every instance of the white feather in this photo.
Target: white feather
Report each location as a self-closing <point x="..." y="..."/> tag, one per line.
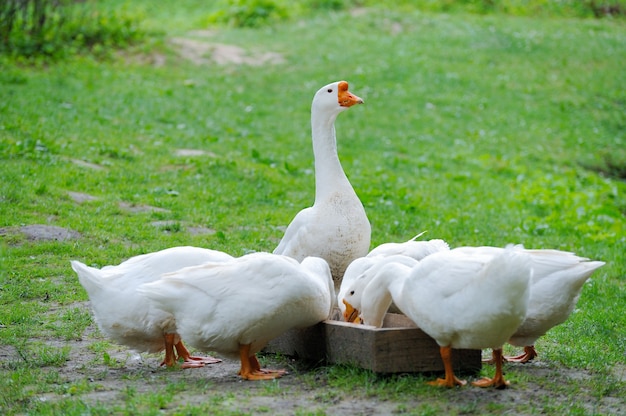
<point x="249" y="300"/>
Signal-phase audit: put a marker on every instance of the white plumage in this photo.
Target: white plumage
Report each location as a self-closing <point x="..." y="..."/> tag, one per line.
<point x="235" y="308"/>
<point x="412" y="248"/>
<point x="336" y="227"/>
<point x="558" y="278"/>
<point x="125" y="316"/>
<point x="408" y="252"/>
<point x="460" y="300"/>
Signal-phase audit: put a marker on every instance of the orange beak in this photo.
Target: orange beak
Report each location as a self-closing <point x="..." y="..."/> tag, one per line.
<point x="350" y="314"/>
<point x="345" y="97"/>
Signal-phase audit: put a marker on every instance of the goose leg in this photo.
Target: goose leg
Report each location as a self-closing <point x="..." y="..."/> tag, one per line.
<point x="248" y="364"/>
<point x="492" y="360"/>
<point x="170" y="357"/>
<point x="528" y="355"/>
<point x="450" y="379"/>
<point x="173" y="341"/>
<point x="498" y="380"/>
<point x="190" y="361"/>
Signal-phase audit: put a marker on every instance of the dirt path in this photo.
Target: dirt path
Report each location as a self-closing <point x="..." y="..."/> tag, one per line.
<point x="306" y="389"/>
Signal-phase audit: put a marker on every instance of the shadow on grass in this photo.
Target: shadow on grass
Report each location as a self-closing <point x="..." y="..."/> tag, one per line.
<point x="612" y="167"/>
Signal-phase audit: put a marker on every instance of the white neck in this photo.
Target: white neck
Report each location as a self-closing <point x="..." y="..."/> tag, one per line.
<point x="329" y="175"/>
<point x="385" y="287"/>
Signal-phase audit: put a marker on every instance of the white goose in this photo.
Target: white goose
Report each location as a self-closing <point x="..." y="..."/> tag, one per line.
<point x="412" y="248"/>
<point x="125" y="316"/>
<point x="460" y="300"/>
<point x="408" y="252"/>
<point x="558" y="278"/>
<point x="235" y="308"/>
<point x="336" y="227"/>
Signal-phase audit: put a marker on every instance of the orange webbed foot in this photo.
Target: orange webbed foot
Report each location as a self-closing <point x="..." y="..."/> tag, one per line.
<point x="528" y="355"/>
<point x="498" y="380"/>
<point x="185" y="364"/>
<point x="191" y="364"/>
<point x="203" y="360"/>
<point x="499" y="383"/>
<point x="281" y="372"/>
<point x="190" y="361"/>
<point x="251" y="368"/>
<point x="442" y="382"/>
<point x="267" y="371"/>
<point x="255" y="366"/>
<point x="261" y="375"/>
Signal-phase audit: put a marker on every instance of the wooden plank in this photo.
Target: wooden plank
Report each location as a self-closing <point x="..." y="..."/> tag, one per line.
<point x="307" y="343"/>
<point x="399" y="346"/>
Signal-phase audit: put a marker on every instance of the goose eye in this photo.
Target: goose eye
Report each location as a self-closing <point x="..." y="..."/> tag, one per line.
<point x="329" y="90"/>
<point x="352" y="292"/>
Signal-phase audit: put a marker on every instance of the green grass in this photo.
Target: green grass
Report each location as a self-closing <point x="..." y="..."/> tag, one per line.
<point x="480" y="129"/>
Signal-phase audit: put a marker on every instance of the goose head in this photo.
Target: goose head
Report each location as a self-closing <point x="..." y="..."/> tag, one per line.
<point x="354" y="272"/>
<point x="334" y="98"/>
<point x="351" y="296"/>
<point x="368" y="303"/>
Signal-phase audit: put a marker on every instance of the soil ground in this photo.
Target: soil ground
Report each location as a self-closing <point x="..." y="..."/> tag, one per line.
<point x="304" y="390"/>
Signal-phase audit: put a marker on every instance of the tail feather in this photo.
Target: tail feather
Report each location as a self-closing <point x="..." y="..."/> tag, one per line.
<point x="582" y="272"/>
<point x="593" y="265"/>
<point x="89" y="277"/>
<point x="418" y="236"/>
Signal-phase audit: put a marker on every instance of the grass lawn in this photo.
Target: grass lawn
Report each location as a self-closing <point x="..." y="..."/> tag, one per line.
<point x="482" y="130"/>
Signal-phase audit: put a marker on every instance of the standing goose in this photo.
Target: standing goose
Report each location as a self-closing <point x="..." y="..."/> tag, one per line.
<point x="125" y="316"/>
<point x="460" y="300"/>
<point x="558" y="278"/>
<point x="336" y="227"/>
<point x="236" y="308"/>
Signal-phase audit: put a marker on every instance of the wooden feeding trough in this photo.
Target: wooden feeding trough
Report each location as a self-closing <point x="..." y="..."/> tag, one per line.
<point x="398" y="347"/>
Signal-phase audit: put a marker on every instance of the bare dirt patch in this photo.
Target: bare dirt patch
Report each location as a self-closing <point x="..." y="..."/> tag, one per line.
<point x="193" y="153"/>
<point x="140" y="208"/>
<point x="87" y="165"/>
<point x="306" y="388"/>
<point x="80" y="197"/>
<point x="201" y="52"/>
<point x="42" y="232"/>
<point x="199" y="230"/>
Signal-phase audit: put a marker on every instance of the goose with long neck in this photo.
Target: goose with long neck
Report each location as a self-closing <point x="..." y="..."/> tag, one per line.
<point x="460" y="300"/>
<point x="336" y="227"/>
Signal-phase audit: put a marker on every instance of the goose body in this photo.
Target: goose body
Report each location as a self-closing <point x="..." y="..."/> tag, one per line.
<point x="336" y="227"/>
<point x="235" y="308"/>
<point x="408" y="253"/>
<point x="558" y="278"/>
<point x="460" y="300"/>
<point x="125" y="316"/>
<point x="412" y="248"/>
